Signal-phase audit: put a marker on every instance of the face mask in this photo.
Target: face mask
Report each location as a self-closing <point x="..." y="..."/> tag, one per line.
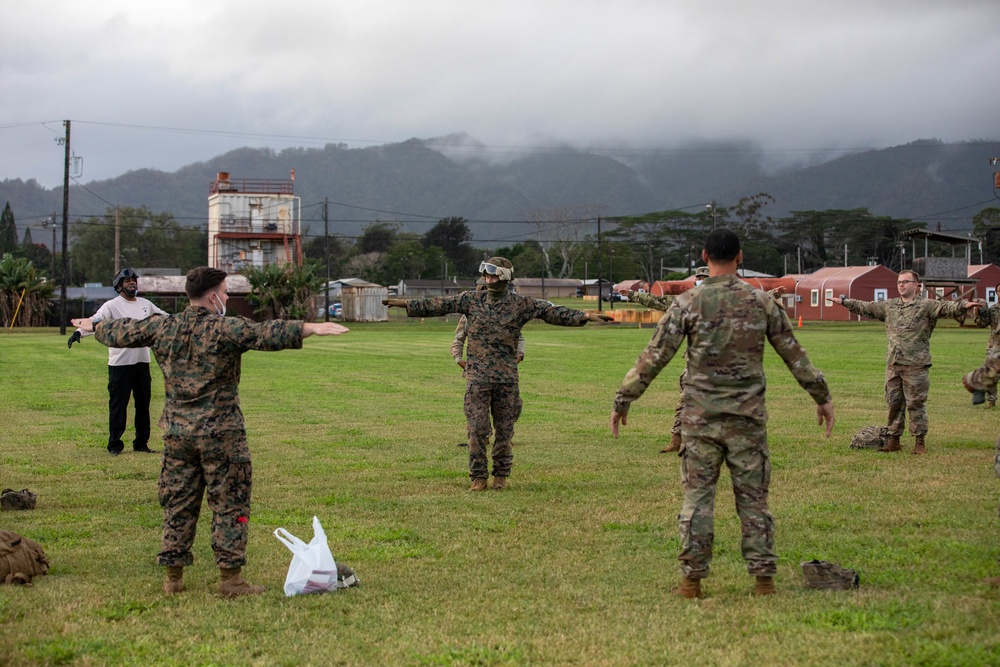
<point x="221" y="310"/>
<point x="499" y="288"/>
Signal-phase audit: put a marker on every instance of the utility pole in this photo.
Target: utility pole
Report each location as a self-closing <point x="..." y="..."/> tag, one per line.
<point x="611" y="275"/>
<point x="545" y="268"/>
<point x="600" y="267"/>
<point x="326" y="236"/>
<point x="845" y="254"/>
<point x="52" y="222"/>
<point x="712" y="207"/>
<point x="65" y="233"/>
<point x="118" y="255"/>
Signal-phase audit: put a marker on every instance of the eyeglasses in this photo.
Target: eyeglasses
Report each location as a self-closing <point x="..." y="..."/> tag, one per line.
<point x="903" y="282"/>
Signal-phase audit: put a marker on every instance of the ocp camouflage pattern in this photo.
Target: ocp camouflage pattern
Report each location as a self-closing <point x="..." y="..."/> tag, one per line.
<point x="908" y="326"/>
<point x="725" y="323"/>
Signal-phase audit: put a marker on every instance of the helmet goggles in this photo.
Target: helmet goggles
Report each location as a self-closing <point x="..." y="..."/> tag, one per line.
<point x="501" y="272"/>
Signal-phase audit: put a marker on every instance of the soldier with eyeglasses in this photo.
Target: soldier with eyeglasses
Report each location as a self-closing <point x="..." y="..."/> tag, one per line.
<point x="909" y="322"/>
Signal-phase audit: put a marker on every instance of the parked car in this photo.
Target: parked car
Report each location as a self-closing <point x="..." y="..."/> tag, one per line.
<point x="336" y="310"/>
<point x="615" y="296"/>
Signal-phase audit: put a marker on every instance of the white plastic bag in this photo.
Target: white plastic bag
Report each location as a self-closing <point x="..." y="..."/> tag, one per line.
<point x="313" y="569"/>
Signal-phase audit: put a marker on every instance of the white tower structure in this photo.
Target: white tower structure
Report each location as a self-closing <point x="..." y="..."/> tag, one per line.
<point x="253" y="222"/>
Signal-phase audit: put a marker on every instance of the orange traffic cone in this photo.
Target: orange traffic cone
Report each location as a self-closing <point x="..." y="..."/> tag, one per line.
<point x="800" y="321"/>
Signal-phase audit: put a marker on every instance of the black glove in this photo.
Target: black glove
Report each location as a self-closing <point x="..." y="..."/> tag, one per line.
<point x="75" y="338"/>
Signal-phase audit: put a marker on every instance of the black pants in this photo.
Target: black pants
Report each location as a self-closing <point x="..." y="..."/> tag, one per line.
<point x="125" y="381"/>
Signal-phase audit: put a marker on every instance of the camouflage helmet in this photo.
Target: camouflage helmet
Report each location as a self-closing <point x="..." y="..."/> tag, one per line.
<point x="499" y="267"/>
<point x="821" y="574"/>
<point x="701" y="272"/>
<point x="17" y="500"/>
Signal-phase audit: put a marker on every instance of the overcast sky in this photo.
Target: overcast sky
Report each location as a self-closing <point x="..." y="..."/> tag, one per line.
<point x="165" y="84"/>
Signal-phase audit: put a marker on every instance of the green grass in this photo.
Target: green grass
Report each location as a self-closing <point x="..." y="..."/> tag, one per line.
<point x="572" y="566"/>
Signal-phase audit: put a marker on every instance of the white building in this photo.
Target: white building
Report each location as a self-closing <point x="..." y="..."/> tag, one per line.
<point x="253" y="222"/>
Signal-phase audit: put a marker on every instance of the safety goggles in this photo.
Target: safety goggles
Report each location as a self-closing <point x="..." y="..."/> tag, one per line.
<point x="501" y="272"/>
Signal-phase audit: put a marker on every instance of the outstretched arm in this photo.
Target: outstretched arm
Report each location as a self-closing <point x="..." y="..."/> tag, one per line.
<point x="616" y="419"/>
<point x="824" y="413"/>
<point x="322" y="329"/>
<point x="85" y="324"/>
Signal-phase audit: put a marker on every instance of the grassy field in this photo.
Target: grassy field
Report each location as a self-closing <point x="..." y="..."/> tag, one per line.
<point x="571" y="566"/>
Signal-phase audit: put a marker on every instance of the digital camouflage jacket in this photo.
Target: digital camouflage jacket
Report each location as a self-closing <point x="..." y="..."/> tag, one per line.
<point x="199" y="353"/>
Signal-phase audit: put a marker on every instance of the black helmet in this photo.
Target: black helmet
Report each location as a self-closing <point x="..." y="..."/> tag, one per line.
<point x="121" y="276"/>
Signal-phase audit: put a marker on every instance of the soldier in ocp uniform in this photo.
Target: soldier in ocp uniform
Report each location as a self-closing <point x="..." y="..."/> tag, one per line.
<point x="662" y="303"/>
<point x="985" y="378"/>
<point x="725" y="323"/>
<point x="909" y="322"/>
<point x="990" y="317"/>
<point x="495" y="317"/>
<point x="204" y="443"/>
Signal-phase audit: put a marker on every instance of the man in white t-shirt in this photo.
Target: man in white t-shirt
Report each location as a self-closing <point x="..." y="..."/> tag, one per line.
<point x="128" y="368"/>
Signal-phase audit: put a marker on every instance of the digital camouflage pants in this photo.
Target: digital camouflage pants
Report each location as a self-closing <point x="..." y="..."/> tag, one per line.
<point x="906" y="389"/>
<point x="742" y="445"/>
<point x="502" y="402"/>
<point x="220" y="469"/>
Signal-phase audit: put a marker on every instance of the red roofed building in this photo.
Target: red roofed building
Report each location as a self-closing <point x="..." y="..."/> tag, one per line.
<point x="988" y="276"/>
<point x="814" y="291"/>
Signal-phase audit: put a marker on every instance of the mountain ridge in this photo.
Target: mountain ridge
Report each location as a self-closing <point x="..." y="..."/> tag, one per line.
<point x="419" y="181"/>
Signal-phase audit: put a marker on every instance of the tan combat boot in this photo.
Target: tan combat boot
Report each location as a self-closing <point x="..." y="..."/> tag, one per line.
<point x="919" y="447"/>
<point x="891" y="446"/>
<point x="233" y="584"/>
<point x="675" y="444"/>
<point x="499" y="482"/>
<point x="478" y="484"/>
<point x="173" y="582"/>
<point x="765" y="586"/>
<point x="689" y="588"/>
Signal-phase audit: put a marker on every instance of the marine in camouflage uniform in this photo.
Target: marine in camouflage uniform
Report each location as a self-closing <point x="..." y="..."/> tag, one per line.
<point x="458" y="352"/>
<point x="985" y="378"/>
<point x="205" y="448"/>
<point x="990" y="317"/>
<point x="495" y="318"/>
<point x="725" y="323"/>
<point x="909" y="322"/>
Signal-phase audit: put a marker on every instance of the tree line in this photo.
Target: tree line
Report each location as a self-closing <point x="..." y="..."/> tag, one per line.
<point x="563" y="244"/>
